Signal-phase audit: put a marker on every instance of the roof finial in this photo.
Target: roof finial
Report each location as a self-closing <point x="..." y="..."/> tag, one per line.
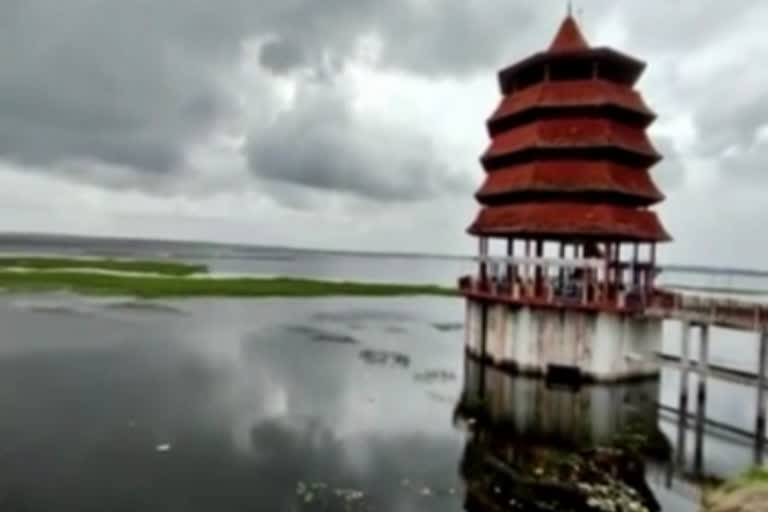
<point x="569" y="12"/>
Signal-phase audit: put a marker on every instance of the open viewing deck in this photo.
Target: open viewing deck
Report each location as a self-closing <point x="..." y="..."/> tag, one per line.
<point x="582" y="285"/>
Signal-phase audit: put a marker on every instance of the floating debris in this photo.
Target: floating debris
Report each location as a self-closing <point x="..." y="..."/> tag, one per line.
<point x="446" y="327"/>
<point x="349" y="494"/>
<point x="435" y="375"/>
<point x="50" y="308"/>
<point x="353" y="316"/>
<point x="321" y="335"/>
<point x="384" y="357"/>
<point x="144" y="306"/>
<point x="321" y="494"/>
<point x="165" y="447"/>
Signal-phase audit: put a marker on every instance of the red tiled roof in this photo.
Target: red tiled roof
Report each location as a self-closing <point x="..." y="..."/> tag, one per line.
<point x="569" y="219"/>
<point x="571" y="93"/>
<point x="568" y="38"/>
<point x="571" y="133"/>
<point x="571" y="177"/>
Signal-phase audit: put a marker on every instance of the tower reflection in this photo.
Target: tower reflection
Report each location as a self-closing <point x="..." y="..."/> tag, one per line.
<point x="533" y="445"/>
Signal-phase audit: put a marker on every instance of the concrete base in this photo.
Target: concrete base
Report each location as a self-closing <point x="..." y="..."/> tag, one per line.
<point x="595" y="346"/>
<point x="584" y="417"/>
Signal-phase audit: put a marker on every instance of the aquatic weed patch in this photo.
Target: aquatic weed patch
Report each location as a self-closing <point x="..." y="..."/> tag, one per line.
<point x="175" y="286"/>
<point x="170" y="268"/>
<point x="746" y="493"/>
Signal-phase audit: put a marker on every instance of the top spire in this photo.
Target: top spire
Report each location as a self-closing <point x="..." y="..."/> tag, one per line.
<point x="568" y="38"/>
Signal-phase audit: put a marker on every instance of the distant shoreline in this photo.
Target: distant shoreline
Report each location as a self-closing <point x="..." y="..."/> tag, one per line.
<point x="75" y="240"/>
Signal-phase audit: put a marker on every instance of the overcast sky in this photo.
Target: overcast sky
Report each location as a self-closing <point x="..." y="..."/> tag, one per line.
<point x="350" y="123"/>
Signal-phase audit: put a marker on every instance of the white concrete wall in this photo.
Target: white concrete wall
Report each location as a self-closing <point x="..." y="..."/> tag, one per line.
<point x="592" y="414"/>
<point x="473" y="328"/>
<point x="602" y="345"/>
<point x="497" y="332"/>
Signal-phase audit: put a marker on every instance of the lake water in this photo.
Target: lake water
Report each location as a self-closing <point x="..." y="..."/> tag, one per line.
<point x="316" y="404"/>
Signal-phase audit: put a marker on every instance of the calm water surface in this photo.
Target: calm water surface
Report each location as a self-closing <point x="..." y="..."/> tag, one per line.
<point x="109" y="404"/>
<point x="113" y="404"/>
<point x="226" y="405"/>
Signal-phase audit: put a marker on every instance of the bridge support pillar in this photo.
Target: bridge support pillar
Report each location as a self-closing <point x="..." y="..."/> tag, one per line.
<point x="685" y="359"/>
<point x="701" y="397"/>
<point x="762" y="366"/>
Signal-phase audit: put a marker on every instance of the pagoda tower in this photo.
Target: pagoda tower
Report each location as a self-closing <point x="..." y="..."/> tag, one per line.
<point x="568" y="190"/>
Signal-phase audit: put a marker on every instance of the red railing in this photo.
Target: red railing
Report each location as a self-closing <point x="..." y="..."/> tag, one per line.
<point x="557" y="292"/>
<point x="587" y="289"/>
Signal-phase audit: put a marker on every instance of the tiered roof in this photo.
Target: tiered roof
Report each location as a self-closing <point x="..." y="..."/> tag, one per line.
<point x="569" y="156"/>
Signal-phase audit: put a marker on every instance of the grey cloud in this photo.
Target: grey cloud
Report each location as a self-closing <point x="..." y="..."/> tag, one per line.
<point x="728" y="115"/>
<point x="745" y="166"/>
<point x="281" y="56"/>
<point x="731" y="119"/>
<point x="681" y="26"/>
<point x="136" y="83"/>
<point x="113" y="82"/>
<point x="722" y="95"/>
<point x="322" y="144"/>
<point x="448" y="36"/>
<point x="669" y="174"/>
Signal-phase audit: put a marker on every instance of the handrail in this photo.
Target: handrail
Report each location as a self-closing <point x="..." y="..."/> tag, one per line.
<point x="533" y="261"/>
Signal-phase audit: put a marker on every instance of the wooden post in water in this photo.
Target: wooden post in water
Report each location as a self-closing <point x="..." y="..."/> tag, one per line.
<point x="685" y="359"/>
<point x="701" y="397"/>
<point x="483" y="331"/>
<point x="762" y="365"/>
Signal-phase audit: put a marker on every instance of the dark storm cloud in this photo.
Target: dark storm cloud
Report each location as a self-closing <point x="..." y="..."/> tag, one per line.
<point x="708" y="71"/>
<point x="136" y="83"/>
<point x="281" y="56"/>
<point x="441" y="36"/>
<point x="321" y="143"/>
<point x="729" y="115"/>
<point x="111" y="81"/>
<point x="132" y="83"/>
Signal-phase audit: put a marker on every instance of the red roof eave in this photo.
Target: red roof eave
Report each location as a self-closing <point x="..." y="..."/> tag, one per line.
<point x="569" y="219"/>
<point x="571" y="177"/>
<point x="571" y="133"/>
<point x="572" y="93"/>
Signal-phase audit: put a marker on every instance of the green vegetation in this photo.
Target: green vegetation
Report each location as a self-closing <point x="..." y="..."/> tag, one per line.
<point x="747" y="493"/>
<point x="154" y="279"/>
<point x="169" y="268"/>
<point x="755" y="475"/>
<point x="172" y="286"/>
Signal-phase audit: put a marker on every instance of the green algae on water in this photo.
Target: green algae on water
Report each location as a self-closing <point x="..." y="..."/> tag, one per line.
<point x="40" y="263"/>
<point x="100" y="283"/>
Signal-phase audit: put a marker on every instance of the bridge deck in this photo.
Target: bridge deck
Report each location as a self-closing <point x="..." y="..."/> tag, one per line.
<point x="716" y="311"/>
